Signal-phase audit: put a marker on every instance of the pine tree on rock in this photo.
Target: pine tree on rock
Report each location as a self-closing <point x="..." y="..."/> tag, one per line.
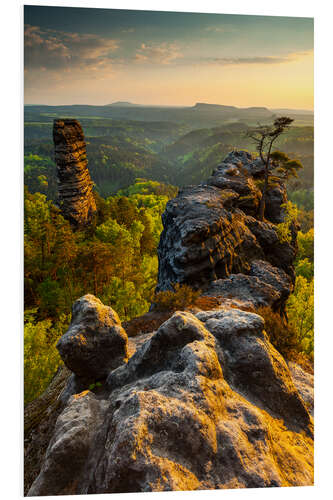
<point x="275" y="163"/>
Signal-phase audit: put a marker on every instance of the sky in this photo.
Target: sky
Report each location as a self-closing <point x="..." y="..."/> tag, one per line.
<point x="99" y="56"/>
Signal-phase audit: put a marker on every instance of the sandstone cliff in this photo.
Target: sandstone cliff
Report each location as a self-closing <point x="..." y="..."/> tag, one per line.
<point x="211" y="233"/>
<point x="75" y="196"/>
<point x="204" y="401"/>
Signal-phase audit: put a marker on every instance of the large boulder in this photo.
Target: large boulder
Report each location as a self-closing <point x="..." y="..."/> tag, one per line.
<point x="253" y="366"/>
<point x="202" y="240"/>
<point x="69" y="446"/>
<point x="264" y="286"/>
<point x="95" y="341"/>
<point x="204" y="403"/>
<point x="40" y="416"/>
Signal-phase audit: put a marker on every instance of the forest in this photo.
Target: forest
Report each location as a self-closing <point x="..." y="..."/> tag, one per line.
<point x="136" y="167"/>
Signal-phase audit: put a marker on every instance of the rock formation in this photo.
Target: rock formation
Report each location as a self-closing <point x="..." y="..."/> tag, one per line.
<point x="211" y="233"/>
<point x="204" y="401"/>
<point x="75" y="197"/>
<point x="95" y="342"/>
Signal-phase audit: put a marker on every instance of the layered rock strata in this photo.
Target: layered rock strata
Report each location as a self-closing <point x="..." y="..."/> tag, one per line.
<point x="75" y="196"/>
<point x="211" y="231"/>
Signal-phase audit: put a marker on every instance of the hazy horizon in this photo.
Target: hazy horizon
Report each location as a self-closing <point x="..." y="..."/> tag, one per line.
<point x="100" y="56"/>
<point x="164" y="105"/>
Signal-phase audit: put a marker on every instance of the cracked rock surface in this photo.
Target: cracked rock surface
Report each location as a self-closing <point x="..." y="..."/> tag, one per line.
<point x="206" y="402"/>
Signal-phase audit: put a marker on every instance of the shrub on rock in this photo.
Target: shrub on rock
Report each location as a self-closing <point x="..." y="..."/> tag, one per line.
<point x="180" y="297"/>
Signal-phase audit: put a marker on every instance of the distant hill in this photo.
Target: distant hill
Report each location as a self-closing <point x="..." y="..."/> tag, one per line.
<point x="198" y="116"/>
<point x="292" y="111"/>
<point x="123" y="104"/>
<point x="221" y="107"/>
<point x="216" y="107"/>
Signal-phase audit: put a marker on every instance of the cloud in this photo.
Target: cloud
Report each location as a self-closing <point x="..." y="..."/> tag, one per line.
<point x="164" y="53"/>
<point x="229" y="61"/>
<point x="225" y="61"/>
<point x="46" y="49"/>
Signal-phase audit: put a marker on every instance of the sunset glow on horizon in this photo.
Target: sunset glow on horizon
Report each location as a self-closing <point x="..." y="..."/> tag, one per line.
<point x="98" y="56"/>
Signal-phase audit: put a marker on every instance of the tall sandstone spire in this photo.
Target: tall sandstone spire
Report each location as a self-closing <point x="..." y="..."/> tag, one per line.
<point x="75" y="196"/>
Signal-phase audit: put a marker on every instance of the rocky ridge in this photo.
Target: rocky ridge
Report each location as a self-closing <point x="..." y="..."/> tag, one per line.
<point x="211" y="233"/>
<point x="202" y="402"/>
<point x="75" y="197"/>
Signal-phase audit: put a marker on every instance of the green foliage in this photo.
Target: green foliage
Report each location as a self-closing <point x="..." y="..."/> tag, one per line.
<point x="300" y="308"/>
<point x="284" y="167"/>
<point x="305" y="243"/>
<point x="116" y="234"/>
<point x="50" y="251"/>
<point x="94" y="386"/>
<point x="52" y="300"/>
<point x="275" y="163"/>
<point x="122" y="151"/>
<point x="125" y="298"/>
<point x="305" y="268"/>
<point x="180" y="297"/>
<point x="40" y="174"/>
<point x="146" y="187"/>
<point x="300" y="305"/>
<point x="305" y="219"/>
<point x="41" y="358"/>
<point x="303" y="198"/>
<point x="284" y="229"/>
<point x="296" y="336"/>
<point x="114" y="259"/>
